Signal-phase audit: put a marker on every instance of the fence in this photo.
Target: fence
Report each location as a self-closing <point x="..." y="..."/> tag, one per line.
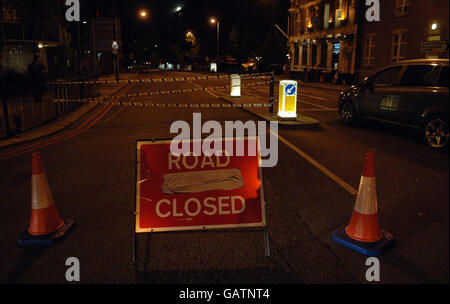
<point x="27" y="106"/>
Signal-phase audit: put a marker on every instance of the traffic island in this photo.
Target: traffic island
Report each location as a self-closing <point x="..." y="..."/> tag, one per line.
<point x="300" y="121"/>
<point x="287" y="113"/>
<point x="297" y="122"/>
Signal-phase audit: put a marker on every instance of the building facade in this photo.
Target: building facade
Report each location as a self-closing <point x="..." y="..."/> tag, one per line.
<point x="323" y="37"/>
<point x="408" y="29"/>
<point x="331" y="40"/>
<point x="21" y="41"/>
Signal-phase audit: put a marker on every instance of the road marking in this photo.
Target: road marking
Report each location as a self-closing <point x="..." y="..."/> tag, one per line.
<point x="115" y="114"/>
<point x="313" y="162"/>
<point x="314" y="97"/>
<point x="207" y="91"/>
<point x="317" y="105"/>
<point x="318" y="110"/>
<point x="53" y="140"/>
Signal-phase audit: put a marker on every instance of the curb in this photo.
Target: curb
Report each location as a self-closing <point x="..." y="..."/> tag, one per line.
<point x="301" y="122"/>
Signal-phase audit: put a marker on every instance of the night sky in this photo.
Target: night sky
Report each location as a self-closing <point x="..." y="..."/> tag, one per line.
<point x="251" y="22"/>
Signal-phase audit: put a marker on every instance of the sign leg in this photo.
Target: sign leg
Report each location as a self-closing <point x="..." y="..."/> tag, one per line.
<point x="266" y="241"/>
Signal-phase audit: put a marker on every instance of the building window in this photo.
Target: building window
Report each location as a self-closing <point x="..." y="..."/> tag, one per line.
<point x="314" y="55"/>
<point x="304" y="55"/>
<point x="326" y="16"/>
<point x="369" y="50"/>
<point x="324" y="55"/>
<point x="296" y="53"/>
<point x="398" y="46"/>
<point x="401" y="7"/>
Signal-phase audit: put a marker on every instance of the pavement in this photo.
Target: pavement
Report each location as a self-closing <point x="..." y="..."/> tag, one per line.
<point x="309" y="193"/>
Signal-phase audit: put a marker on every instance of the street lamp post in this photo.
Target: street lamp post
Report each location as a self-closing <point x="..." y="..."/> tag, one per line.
<point x="216" y="21"/>
<point x="116" y="56"/>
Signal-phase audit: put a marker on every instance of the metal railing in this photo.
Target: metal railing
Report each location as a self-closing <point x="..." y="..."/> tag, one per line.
<point x="24" y="107"/>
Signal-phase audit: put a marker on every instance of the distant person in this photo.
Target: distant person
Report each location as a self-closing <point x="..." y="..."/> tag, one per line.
<point x="36" y="74"/>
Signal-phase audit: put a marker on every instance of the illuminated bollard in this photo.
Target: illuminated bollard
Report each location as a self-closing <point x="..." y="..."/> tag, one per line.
<point x="287" y="102"/>
<point x="235" y="85"/>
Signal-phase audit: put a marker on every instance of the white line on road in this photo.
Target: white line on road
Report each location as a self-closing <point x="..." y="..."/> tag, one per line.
<point x="318" y="110"/>
<point x="313" y="162"/>
<point x="317" y="105"/>
<point x="207" y="91"/>
<point x="115" y="114"/>
<point x="313" y="97"/>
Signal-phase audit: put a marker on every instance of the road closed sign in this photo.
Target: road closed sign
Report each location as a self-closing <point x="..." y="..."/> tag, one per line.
<point x="198" y="192"/>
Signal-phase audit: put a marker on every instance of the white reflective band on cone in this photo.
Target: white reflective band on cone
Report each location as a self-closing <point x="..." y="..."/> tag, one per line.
<point x="366" y="202"/>
<point x="41" y="196"/>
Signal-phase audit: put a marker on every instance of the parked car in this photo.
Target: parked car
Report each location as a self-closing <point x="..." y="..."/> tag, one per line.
<point x="411" y="93"/>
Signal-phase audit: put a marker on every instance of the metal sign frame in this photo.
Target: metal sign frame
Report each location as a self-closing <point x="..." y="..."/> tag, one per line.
<point x="137" y="230"/>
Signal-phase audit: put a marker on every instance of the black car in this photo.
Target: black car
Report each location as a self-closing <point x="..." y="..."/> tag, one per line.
<point x="411" y="93"/>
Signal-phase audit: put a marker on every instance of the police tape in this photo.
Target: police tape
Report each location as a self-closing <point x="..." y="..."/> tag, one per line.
<point x="178" y="105"/>
<point x="159" y="80"/>
<point x="144" y="94"/>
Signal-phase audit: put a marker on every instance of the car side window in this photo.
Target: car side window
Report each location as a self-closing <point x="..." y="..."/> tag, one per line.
<point x="443" y="78"/>
<point x="420" y="76"/>
<point x="387" y="77"/>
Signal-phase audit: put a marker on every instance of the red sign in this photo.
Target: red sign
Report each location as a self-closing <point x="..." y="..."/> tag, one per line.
<point x="198" y="192"/>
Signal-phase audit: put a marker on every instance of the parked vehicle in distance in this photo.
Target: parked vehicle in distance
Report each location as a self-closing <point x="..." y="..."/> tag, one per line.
<point x="411" y="93"/>
<point x="145" y="67"/>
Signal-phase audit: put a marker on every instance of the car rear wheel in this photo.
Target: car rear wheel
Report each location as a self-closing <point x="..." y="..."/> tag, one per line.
<point x="348" y="113"/>
<point x="436" y="133"/>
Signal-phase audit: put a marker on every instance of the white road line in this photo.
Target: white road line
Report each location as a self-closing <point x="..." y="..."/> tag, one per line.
<point x="318" y="110"/>
<point x="115" y="114"/>
<point x="313" y="162"/>
<point x="207" y="91"/>
<point x="313" y="97"/>
<point x="317" y="105"/>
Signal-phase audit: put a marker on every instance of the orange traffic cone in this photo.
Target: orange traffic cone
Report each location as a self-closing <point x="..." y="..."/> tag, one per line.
<point x="363" y="233"/>
<point x="46" y="226"/>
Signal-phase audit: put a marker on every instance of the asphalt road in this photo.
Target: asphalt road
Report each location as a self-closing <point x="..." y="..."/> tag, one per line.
<point x="92" y="176"/>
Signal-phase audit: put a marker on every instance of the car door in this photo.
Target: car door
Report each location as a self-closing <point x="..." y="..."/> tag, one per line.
<point x="414" y="94"/>
<point x="376" y="102"/>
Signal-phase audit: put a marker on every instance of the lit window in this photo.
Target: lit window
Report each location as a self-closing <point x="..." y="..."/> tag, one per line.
<point x="398" y="46"/>
<point x="369" y="50"/>
<point x="401" y="7"/>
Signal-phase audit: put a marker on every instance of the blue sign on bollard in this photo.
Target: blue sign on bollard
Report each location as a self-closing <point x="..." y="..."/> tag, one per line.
<point x="290" y="90"/>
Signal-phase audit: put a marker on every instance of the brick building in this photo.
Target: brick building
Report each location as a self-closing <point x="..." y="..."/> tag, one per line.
<point x="323" y="36"/>
<point x="331" y="40"/>
<point x="21" y="41"/>
<point x="408" y="29"/>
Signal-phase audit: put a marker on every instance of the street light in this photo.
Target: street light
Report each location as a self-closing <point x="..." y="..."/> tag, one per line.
<point x="189" y="35"/>
<point x="214" y="20"/>
<point x="143" y="14"/>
